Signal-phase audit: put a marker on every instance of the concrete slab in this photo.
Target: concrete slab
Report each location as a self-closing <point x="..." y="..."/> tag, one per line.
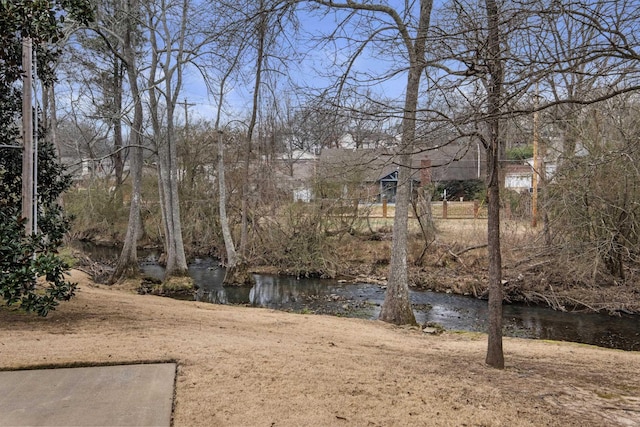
<point x="122" y="395"/>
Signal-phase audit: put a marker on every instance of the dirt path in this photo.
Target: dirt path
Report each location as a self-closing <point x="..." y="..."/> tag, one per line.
<point x="256" y="367"/>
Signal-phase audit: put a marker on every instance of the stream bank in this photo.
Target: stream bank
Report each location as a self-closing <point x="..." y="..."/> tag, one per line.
<point x="363" y="298"/>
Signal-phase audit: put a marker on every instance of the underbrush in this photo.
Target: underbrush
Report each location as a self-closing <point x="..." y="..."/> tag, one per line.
<point x="97" y="211"/>
<point x="297" y="242"/>
<point x="324" y="240"/>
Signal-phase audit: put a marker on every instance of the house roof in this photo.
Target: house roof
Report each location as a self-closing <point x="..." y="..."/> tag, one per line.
<point x="455" y="161"/>
<point x="448" y="162"/>
<point x="366" y="165"/>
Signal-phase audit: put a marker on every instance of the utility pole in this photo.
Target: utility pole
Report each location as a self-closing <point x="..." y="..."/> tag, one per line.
<point x="186" y="116"/>
<point x="27" y="134"/>
<point x="536" y="166"/>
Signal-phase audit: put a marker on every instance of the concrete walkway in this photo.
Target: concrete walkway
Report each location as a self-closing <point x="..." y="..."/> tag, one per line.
<point x="123" y="395"/>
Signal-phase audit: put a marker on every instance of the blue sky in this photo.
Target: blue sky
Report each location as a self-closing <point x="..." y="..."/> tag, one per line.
<point x="309" y="70"/>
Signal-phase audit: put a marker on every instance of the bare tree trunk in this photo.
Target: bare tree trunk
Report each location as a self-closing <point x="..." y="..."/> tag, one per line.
<point x="160" y="146"/>
<point x="162" y="181"/>
<point x="232" y="258"/>
<point x="127" y="265"/>
<point x="51" y="118"/>
<point x="170" y="59"/>
<point x="261" y="31"/>
<point x="495" y="356"/>
<point x="396" y="307"/>
<point x="118" y="160"/>
<point x="176" y="259"/>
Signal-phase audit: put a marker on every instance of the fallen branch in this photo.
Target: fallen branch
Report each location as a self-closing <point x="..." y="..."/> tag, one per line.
<point x="555" y="305"/>
<point x="584" y="304"/>
<point x="532" y="266"/>
<point x="560" y="306"/>
<point x="470" y="248"/>
<point x="457" y="257"/>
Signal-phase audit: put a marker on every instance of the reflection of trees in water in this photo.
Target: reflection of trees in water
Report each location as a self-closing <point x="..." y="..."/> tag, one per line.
<point x="218" y="296"/>
<point x="214" y="296"/>
<point x="548" y="324"/>
<point x="531" y="324"/>
<point x="270" y="291"/>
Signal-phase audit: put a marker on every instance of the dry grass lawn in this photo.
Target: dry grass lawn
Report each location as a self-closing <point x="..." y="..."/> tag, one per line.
<point x="255" y="367"/>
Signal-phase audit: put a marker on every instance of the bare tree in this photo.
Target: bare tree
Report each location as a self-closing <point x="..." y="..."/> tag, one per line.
<point x="168" y="26"/>
<point x="368" y="119"/>
<point x="495" y="77"/>
<point x="578" y="52"/>
<point x="127" y="265"/>
<point x="260" y="29"/>
<point x="410" y="27"/>
<point x="267" y="20"/>
<point x="230" y="59"/>
<point x="314" y="125"/>
<point x="95" y="65"/>
<point x="473" y="47"/>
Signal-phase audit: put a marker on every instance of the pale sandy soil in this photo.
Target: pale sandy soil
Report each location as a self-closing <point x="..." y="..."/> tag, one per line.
<point x="256" y="367"/>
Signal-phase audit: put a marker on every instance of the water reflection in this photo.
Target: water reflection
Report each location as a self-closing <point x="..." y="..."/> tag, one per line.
<point x="269" y="291"/>
<point x="363" y="300"/>
<point x="215" y="296"/>
<point x="590" y="328"/>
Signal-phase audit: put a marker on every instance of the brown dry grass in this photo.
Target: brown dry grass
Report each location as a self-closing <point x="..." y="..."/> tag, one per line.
<point x="256" y="367"/>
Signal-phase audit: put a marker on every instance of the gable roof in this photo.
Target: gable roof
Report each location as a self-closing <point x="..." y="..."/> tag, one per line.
<point x="366" y="165"/>
<point x="450" y="162"/>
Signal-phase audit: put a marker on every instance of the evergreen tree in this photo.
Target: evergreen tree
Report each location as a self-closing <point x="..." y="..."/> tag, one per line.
<point x="24" y="258"/>
<point x="28" y="260"/>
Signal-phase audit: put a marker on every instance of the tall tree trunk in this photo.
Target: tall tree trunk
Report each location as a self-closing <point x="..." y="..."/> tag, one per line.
<point x="171" y="61"/>
<point x="495" y="356"/>
<point x="261" y="31"/>
<point x="127" y="265"/>
<point x="160" y="146"/>
<point x="176" y="259"/>
<point x="51" y="117"/>
<point x="118" y="159"/>
<point x="232" y="258"/>
<point x="396" y="307"/>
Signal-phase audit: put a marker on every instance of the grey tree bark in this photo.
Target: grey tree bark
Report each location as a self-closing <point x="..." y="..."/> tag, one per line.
<point x="118" y="158"/>
<point x="170" y="60"/>
<point x="397" y="306"/>
<point x="260" y="33"/>
<point x="232" y="256"/>
<point x="127" y="264"/>
<point x="495" y="356"/>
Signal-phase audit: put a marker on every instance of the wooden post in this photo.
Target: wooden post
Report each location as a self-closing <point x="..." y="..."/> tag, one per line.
<point x="384" y="207"/>
<point x="444" y="209"/>
<point x="476" y="209"/>
<point x="27" y="135"/>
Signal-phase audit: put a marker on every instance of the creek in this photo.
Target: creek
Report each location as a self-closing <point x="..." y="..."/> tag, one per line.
<point x="363" y="300"/>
